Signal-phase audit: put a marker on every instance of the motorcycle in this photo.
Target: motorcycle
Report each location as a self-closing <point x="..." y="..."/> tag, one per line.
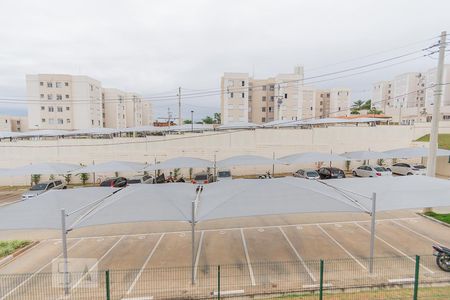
<point x="442" y="257"/>
<point x="265" y="176"/>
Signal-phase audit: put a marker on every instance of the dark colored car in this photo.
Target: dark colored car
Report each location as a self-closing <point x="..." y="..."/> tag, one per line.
<point x="203" y="178"/>
<point x="114" y="182"/>
<point x="330" y="173"/>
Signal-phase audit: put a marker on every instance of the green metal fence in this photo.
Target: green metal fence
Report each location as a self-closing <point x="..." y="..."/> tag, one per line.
<point x="344" y="279"/>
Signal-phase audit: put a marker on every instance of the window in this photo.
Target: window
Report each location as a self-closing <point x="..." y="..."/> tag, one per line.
<point x="67" y="96"/>
<point x="242" y="83"/>
<point x="263" y="87"/>
<point x="263" y="109"/>
<point x="49" y="97"/>
<point x="41" y="83"/>
<point x="328" y="95"/>
<point x="58" y="97"/>
<point x="58" y="84"/>
<point x="18" y="122"/>
<point x="43" y="120"/>
<point x="51" y="121"/>
<point x="285" y="96"/>
<point x="270" y="108"/>
<point x="66" y="83"/>
<point x="42" y="96"/>
<point x="263" y="119"/>
<point x="263" y="98"/>
<point x="59" y="108"/>
<point x="92" y="121"/>
<point x="60" y="121"/>
<point x="271" y="87"/>
<point x="311" y="108"/>
<point x="67" y="108"/>
<point x="49" y="84"/>
<point x="321" y="102"/>
<point x="339" y="108"/>
<point x="42" y="107"/>
<point x="51" y="109"/>
<point x="271" y="98"/>
<point x="243" y="95"/>
<point x="231" y="95"/>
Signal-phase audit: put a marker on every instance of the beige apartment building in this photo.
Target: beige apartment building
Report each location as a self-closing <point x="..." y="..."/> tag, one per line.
<point x="13" y="123"/>
<point x="71" y="102"/>
<point x="147" y="113"/>
<point x="409" y="97"/>
<point x="283" y="97"/>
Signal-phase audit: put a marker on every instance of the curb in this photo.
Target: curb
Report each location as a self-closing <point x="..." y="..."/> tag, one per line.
<point x="433" y="219"/>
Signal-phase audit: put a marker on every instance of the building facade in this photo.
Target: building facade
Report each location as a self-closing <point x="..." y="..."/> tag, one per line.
<point x="409" y="97"/>
<point x="71" y="102"/>
<point x="283" y="97"/>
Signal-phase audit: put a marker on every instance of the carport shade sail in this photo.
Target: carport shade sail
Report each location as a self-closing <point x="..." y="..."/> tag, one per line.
<point x="309" y="157"/>
<point x="181" y="162"/>
<point x="415" y="152"/>
<point x="41" y="168"/>
<point x="245" y="160"/>
<point x="228" y="199"/>
<point x="113" y="166"/>
<point x="362" y="155"/>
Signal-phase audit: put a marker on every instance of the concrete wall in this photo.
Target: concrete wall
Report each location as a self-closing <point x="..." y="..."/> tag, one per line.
<point x="263" y="142"/>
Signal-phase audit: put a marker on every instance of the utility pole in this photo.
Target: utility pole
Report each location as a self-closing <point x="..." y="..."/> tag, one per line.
<point x="179" y="106"/>
<point x="192" y="121"/>
<point x="431" y="163"/>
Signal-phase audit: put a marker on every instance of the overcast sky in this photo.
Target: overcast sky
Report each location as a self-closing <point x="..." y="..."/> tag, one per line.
<point x="153" y="47"/>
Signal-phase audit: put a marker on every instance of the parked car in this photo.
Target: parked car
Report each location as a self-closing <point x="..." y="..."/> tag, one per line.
<point x="203" y="178"/>
<point x="114" y="182"/>
<point x="43" y="187"/>
<point x="408" y="169"/>
<point x="330" y="173"/>
<point x="224" y="175"/>
<point x="140" y="179"/>
<point x="371" y="171"/>
<point x="306" y="173"/>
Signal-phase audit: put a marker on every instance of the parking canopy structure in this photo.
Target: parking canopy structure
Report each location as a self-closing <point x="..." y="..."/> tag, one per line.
<point x="246" y="160"/>
<point x="308" y="157"/>
<point x="363" y="155"/>
<point x="415" y="152"/>
<point x="41" y="168"/>
<point x="113" y="166"/>
<point x="181" y="162"/>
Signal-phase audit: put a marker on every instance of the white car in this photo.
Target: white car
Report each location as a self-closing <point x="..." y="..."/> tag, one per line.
<point x="408" y="169"/>
<point x="306" y="173"/>
<point x="371" y="171"/>
<point x="140" y="179"/>
<point x="43" y="187"/>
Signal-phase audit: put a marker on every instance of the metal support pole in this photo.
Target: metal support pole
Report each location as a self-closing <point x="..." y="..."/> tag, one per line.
<point x="273" y="165"/>
<point x="179" y="106"/>
<point x="192" y="121"/>
<point x="372" y="231"/>
<point x="108" y="287"/>
<point x="416" y="278"/>
<point x="64" y="246"/>
<point x="321" y="281"/>
<point x="193" y="242"/>
<point x="218" y="282"/>
<point x="215" y="167"/>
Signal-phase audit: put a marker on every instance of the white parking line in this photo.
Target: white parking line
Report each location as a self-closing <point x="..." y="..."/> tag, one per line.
<point x="38" y="271"/>
<point x="250" y="269"/>
<point x="145" y="264"/>
<point x="197" y="257"/>
<point x="238" y="228"/>
<point x="396" y="249"/>
<point x="342" y="247"/>
<point x="415" y="232"/>
<point x="298" y="255"/>
<point x="97" y="262"/>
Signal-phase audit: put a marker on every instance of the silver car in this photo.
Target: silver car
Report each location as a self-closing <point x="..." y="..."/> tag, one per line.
<point x="140" y="179"/>
<point x="371" y="171"/>
<point x="307" y="174"/>
<point x="43" y="187"/>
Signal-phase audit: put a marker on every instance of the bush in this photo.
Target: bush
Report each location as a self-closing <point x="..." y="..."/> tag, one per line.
<point x="8" y="247"/>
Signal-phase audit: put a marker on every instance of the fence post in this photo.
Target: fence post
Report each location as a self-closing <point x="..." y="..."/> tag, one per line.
<point x="416" y="278"/>
<point x="321" y="281"/>
<point x="218" y="282"/>
<point x="108" y="290"/>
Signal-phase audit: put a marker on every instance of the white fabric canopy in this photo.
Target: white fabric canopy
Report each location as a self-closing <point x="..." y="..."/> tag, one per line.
<point x="362" y="155"/>
<point x="227" y="199"/>
<point x="415" y="152"/>
<point x="181" y="162"/>
<point x="309" y="157"/>
<point x="113" y="166"/>
<point x="238" y="125"/>
<point x="189" y="127"/>
<point x="42" y="168"/>
<point x="245" y="160"/>
<point x="95" y="131"/>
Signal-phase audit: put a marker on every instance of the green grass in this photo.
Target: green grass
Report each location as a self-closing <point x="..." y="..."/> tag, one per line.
<point x="441" y="217"/>
<point x="8" y="247"/>
<point x="443" y="140"/>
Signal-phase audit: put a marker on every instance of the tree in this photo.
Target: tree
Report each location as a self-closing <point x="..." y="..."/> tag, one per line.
<point x="354" y="111"/>
<point x="367" y="105"/>
<point x="217" y="118"/>
<point x="35" y="178"/>
<point x="208" y="120"/>
<point x="374" y="111"/>
<point x="187" y="122"/>
<point x="84" y="177"/>
<point x="357" y="104"/>
<point x="68" y="178"/>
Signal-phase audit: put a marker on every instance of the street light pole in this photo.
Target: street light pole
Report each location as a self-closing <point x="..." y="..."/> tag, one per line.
<point x="192" y="121"/>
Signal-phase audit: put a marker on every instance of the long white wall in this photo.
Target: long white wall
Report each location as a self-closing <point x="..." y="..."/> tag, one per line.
<point x="264" y="142"/>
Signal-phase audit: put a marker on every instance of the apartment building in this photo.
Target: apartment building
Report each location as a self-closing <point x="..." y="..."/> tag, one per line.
<point x="147" y="113"/>
<point x="71" y="102"/>
<point x="409" y="97"/>
<point x="283" y="97"/>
